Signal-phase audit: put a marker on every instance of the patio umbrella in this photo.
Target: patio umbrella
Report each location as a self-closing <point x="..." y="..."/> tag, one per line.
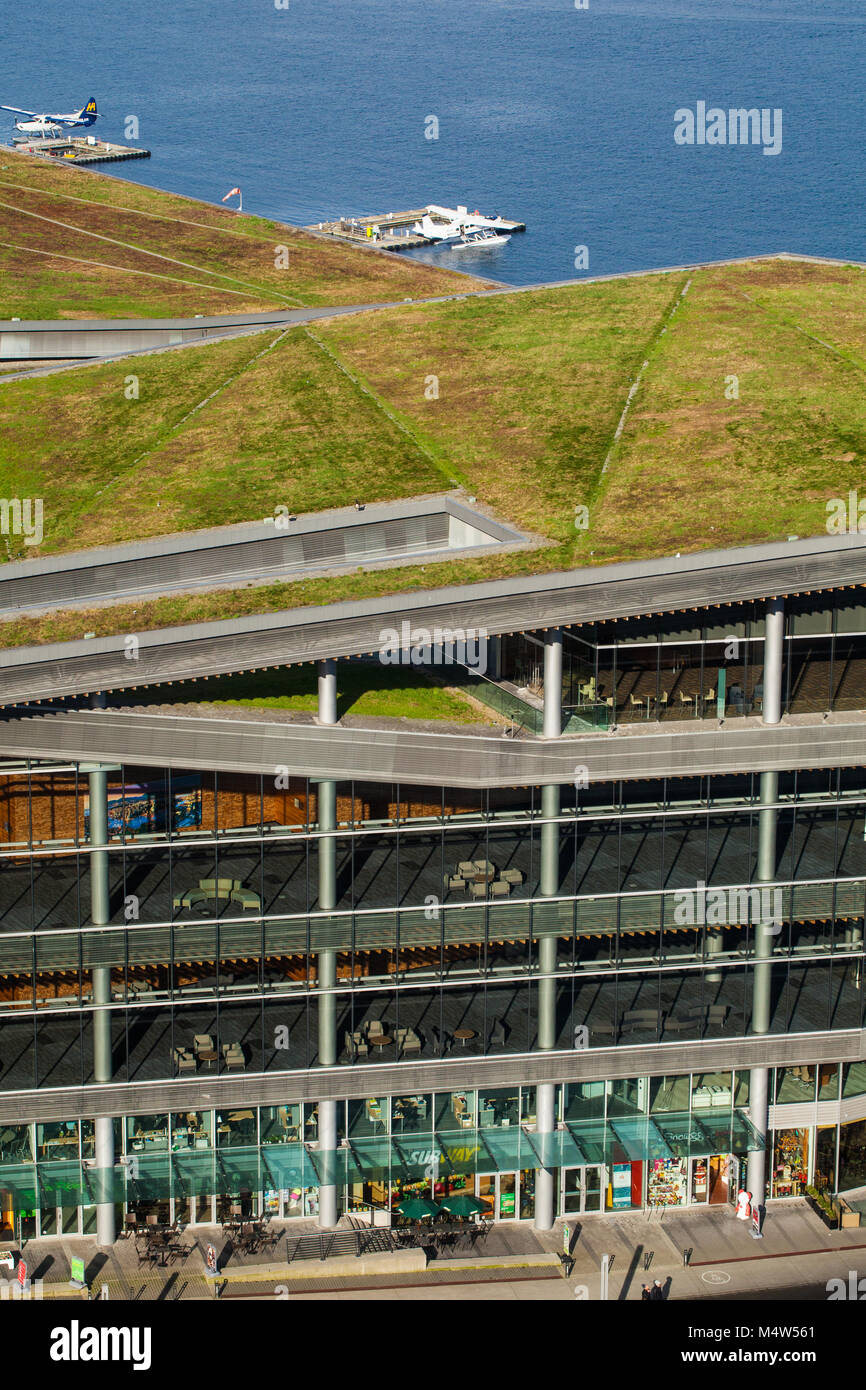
<point x="415" y="1208"/>
<point x="462" y="1204"/>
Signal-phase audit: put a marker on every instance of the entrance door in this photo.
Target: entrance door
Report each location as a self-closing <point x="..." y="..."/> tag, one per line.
<point x="581" y="1190"/>
<point x="593" y="1188"/>
<point x="719" y="1178"/>
<point x="498" y="1192"/>
<point x="572" y="1190"/>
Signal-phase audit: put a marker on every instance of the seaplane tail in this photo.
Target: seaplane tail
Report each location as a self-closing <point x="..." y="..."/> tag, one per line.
<point x="88" y="114"/>
<point x="437" y="231"/>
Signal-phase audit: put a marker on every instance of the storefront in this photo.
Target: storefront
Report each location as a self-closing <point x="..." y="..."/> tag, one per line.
<point x="790" y="1172"/>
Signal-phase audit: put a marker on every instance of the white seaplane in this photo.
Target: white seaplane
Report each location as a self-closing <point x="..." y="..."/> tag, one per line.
<point x="456" y="228"/>
<point x="51" y="123"/>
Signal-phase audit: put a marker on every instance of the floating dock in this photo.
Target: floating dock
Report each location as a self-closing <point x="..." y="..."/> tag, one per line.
<point x="394" y="231"/>
<point x="78" y="149"/>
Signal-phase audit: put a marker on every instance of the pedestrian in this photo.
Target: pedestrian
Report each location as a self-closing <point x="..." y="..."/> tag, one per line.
<point x="657" y="1293"/>
<point x="645" y="1295"/>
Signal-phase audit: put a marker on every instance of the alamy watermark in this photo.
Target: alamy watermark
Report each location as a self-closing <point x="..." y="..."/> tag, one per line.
<point x="22" y="516"/>
<point x="846" y="515"/>
<point x="737" y="126"/>
<point x="855" y="1289"/>
<point x="717" y="907"/>
<point x="437" y="646"/>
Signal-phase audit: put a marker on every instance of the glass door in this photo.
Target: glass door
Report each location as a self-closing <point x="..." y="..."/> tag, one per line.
<point x="507" y="1194"/>
<point x="582" y="1189"/>
<point x="572" y="1190"/>
<point x="593" y="1187"/>
<point x="487" y="1194"/>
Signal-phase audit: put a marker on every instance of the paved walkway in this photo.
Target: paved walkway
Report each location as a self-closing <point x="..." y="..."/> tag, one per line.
<point x="797" y="1252"/>
<point x="795" y="1259"/>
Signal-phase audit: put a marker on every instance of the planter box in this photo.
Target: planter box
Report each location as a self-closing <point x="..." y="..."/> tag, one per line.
<point x="830" y="1222"/>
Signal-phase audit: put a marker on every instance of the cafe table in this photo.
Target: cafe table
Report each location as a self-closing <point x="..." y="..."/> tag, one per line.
<point x="464" y="1034"/>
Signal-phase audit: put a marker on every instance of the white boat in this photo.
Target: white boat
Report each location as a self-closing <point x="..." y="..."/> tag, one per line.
<point x="478" y="236"/>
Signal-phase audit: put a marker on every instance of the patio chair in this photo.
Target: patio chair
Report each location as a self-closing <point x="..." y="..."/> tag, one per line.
<point x="513" y="876"/>
<point x="483" y="866"/>
<point x="456" y="883"/>
<point x="500" y="888"/>
<point x="233" y="1056"/>
<point x="478" y="890"/>
<point x="466" y="869"/>
<point x="184" y="1060"/>
<point x="411" y="1041"/>
<point x="203" y="1042"/>
<point x="375" y="1028"/>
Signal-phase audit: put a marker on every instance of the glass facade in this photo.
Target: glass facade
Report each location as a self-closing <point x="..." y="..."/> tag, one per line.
<point x="229" y="924"/>
<point x="215" y="932"/>
<point x="650" y="669"/>
<point x="645" y="1141"/>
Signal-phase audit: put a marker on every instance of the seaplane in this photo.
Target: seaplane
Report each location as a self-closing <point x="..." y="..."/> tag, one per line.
<point x="49" y="123"/>
<point x="456" y="228"/>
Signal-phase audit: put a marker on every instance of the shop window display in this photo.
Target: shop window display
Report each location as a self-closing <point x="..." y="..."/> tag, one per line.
<point x="790" y="1162"/>
<point x="666" y="1185"/>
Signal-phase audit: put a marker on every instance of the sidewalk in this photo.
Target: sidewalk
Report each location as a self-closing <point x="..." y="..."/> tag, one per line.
<point x="795" y="1259"/>
<point x="797" y="1252"/>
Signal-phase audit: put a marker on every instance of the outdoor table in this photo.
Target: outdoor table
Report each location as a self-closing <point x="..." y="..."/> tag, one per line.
<point x="464" y="1034"/>
<point x="208" y="1057"/>
<point x="381" y="1040"/>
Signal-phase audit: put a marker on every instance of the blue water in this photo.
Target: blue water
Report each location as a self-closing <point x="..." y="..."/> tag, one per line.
<point x="558" y="117"/>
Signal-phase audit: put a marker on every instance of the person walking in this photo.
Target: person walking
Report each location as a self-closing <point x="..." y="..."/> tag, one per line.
<point x="657" y="1293"/>
<point x="645" y="1295"/>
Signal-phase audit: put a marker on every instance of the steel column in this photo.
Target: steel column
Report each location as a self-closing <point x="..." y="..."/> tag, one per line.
<point x="545" y="1100"/>
<point x="326" y="961"/>
<point x="765" y="929"/>
<point x="100" y="913"/>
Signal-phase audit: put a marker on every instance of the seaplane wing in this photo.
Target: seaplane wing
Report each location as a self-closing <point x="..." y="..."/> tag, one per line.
<point x="85" y="117"/>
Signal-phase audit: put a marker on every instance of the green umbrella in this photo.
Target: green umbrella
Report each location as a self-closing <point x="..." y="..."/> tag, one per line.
<point x="414" y="1208"/>
<point x="462" y="1204"/>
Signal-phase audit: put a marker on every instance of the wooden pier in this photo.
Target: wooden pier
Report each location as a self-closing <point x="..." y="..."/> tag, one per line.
<point x="78" y="150"/>
<point x="392" y="231"/>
